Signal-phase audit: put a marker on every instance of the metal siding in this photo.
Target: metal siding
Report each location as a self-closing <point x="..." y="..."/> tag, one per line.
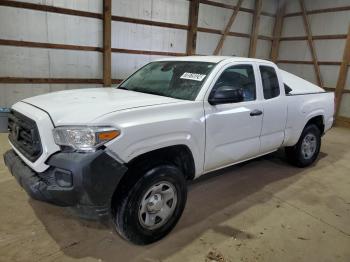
<point x="330" y="50"/>
<point x="263" y="49"/>
<point x="329" y="75"/>
<point x="206" y="43"/>
<point x="236" y="46"/>
<point x="170" y="11"/>
<point x="266" y="25"/>
<point x="293" y="26"/>
<point x="144" y="37"/>
<point x="304" y="71"/>
<point x="345" y="106"/>
<point x="330" y="23"/>
<point x="294" y="50"/>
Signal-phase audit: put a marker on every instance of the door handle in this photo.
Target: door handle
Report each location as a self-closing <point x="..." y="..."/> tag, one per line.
<point x="256" y="112"/>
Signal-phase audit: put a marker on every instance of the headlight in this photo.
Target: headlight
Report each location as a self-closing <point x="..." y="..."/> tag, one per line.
<point x="84" y="138"/>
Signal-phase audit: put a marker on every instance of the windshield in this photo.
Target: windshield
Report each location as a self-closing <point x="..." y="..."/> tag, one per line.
<point x="176" y="79"/>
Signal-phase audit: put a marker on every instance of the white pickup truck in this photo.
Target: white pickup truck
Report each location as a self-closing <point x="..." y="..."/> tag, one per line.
<point x="127" y="152"/>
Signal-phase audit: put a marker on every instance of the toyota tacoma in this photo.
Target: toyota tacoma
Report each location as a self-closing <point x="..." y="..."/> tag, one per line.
<point x="127" y="152"/>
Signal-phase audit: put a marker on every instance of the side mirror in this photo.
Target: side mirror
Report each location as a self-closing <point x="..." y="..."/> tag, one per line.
<point x="225" y="95"/>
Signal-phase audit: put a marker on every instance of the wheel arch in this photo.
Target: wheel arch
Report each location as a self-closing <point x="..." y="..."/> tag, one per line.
<point x="178" y="155"/>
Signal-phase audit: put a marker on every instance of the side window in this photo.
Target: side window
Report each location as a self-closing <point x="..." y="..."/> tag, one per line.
<point x="239" y="77"/>
<point x="270" y="82"/>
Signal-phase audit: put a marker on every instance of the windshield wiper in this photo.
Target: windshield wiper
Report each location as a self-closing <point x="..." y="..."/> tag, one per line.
<point x="123" y="88"/>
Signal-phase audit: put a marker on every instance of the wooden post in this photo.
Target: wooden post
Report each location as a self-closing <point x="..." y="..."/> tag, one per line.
<point x="193" y="25"/>
<point x="228" y="27"/>
<point x="343" y="71"/>
<point x="311" y="43"/>
<point x="255" y="28"/>
<point x="277" y="30"/>
<point x="107" y="45"/>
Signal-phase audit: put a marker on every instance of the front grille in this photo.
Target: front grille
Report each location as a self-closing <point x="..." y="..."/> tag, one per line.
<point x="24" y="135"/>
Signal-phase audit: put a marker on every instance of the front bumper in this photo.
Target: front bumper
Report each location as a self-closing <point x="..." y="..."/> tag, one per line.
<point x="84" y="181"/>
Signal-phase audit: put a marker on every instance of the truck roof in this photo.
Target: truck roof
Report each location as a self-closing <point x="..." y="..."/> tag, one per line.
<point x="214" y="59"/>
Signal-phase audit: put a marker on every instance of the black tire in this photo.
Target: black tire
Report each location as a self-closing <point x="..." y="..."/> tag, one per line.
<point x="126" y="216"/>
<point x="295" y="154"/>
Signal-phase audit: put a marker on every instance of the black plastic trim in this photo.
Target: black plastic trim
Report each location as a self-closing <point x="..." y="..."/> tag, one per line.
<point x="95" y="176"/>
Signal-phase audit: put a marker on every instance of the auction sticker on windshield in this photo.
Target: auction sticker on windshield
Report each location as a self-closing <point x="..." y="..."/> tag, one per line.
<point x="193" y="76"/>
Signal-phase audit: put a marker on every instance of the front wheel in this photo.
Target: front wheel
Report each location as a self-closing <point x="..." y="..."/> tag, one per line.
<point x="306" y="151"/>
<point x="152" y="207"/>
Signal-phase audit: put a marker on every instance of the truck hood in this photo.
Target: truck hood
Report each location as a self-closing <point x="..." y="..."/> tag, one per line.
<point x="84" y="105"/>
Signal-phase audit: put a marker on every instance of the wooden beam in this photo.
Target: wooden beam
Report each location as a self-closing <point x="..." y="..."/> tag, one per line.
<point x="332" y="89"/>
<point x="49" y="45"/>
<point x="51" y="9"/>
<point x="193" y="27"/>
<point x="243" y="9"/>
<point x="343" y="71"/>
<point x="342" y="121"/>
<point x="314" y="37"/>
<point x="255" y="28"/>
<point x="311" y="43"/>
<point x="277" y="30"/>
<point x="320" y="11"/>
<point x="31" y="80"/>
<point x="148" y="22"/>
<point x="227" y="28"/>
<point x="107" y="43"/>
<point x="146" y="52"/>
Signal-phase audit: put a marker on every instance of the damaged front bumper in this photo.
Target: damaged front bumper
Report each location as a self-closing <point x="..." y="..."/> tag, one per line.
<point x="85" y="181"/>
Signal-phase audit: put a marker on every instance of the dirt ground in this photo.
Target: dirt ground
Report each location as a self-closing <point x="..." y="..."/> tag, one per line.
<point x="264" y="210"/>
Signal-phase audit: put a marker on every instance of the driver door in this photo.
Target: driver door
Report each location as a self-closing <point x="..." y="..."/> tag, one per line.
<point x="233" y="129"/>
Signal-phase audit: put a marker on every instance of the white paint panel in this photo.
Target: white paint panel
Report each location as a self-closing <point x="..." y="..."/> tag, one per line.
<point x="263" y="49"/>
<point x="213" y="17"/>
<point x="123" y="65"/>
<point x="22" y="24"/>
<point x="74" y="30"/>
<point x="269" y="6"/>
<point x="330" y="50"/>
<point x="330" y="23"/>
<point x="243" y="23"/>
<point x="170" y="11"/>
<point x="29" y="25"/>
<point x="83" y="5"/>
<point x="321" y="4"/>
<point x="293" y="26"/>
<point x="37" y="62"/>
<point x="143" y="37"/>
<point x="206" y="43"/>
<point x="236" y="46"/>
<point x="24" y="62"/>
<point x="304" y="71"/>
<point x="344" y="109"/>
<point x="266" y="25"/>
<point x="246" y="3"/>
<point x="292" y="6"/>
<point x="95" y="6"/>
<point x="75" y="64"/>
<point x="294" y="50"/>
<point x="329" y="74"/>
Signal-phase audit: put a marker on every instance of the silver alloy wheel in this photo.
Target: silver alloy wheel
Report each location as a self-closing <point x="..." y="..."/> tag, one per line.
<point x="157" y="205"/>
<point x="308" y="146"/>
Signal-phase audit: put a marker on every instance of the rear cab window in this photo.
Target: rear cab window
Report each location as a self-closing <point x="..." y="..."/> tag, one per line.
<point x="270" y="82"/>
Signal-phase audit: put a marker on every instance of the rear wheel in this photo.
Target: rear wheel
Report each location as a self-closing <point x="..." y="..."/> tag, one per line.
<point x="306" y="151"/>
<point x="152" y="206"/>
